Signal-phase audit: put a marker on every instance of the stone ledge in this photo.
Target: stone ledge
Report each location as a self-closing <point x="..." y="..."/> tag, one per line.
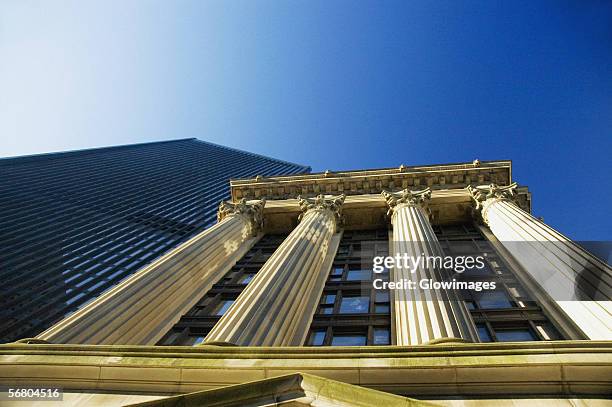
<point x="536" y="368"/>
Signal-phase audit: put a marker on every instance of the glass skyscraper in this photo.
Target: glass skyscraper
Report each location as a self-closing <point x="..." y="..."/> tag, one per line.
<point x="74" y="224"/>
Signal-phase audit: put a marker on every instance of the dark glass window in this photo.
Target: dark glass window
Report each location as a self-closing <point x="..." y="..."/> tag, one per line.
<point x="358" y="275"/>
<point x="355" y="305"/>
<point x="329" y="298"/>
<point x="382" y="308"/>
<point x="317" y="338"/>
<point x="492" y="299"/>
<point x="348" y="340"/>
<point x="483" y="333"/>
<point x="336" y="274"/>
<point x="382" y="296"/>
<point x="381" y="336"/>
<point x="514" y="335"/>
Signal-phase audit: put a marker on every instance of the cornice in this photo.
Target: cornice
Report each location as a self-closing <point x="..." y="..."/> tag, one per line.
<point x="448" y="176"/>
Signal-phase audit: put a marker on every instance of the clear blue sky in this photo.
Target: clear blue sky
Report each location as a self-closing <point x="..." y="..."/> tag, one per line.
<point x="333" y="84"/>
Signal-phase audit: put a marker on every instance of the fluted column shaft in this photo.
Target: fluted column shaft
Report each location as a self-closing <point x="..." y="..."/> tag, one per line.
<point x="561" y="267"/>
<point x="420" y="315"/>
<point x="277" y="306"/>
<point x="142" y="308"/>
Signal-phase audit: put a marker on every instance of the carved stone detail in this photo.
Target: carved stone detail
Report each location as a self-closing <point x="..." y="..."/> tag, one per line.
<point x="406" y="197"/>
<point x="251" y="210"/>
<point x="322" y="203"/>
<point x="485" y="195"/>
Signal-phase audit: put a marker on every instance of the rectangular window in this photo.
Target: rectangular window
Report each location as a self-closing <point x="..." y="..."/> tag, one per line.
<point x="382" y="308"/>
<point x="493" y="299"/>
<point x="381" y="336"/>
<point x="336" y="274"/>
<point x="355" y="305"/>
<point x="382" y="296"/>
<point x="326" y="309"/>
<point x="317" y="338"/>
<point x="329" y="298"/>
<point x="514" y="335"/>
<point x="346" y="339"/>
<point x="359" y="275"/>
<point x="483" y="333"/>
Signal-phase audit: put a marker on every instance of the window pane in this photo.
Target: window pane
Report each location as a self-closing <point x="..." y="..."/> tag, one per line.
<point x="514" y="335"/>
<point x="317" y="338"/>
<point x="329" y="298"/>
<point x="381" y="336"/>
<point x="198" y="340"/>
<point x="326" y="310"/>
<point x="382" y="308"/>
<point x="348" y="340"/>
<point x="461" y="247"/>
<point x="382" y="296"/>
<point x="355" y="305"/>
<point x="493" y="299"/>
<point x="483" y="333"/>
<point x="358" y="275"/>
<point x="222" y="307"/>
<point x="337" y="271"/>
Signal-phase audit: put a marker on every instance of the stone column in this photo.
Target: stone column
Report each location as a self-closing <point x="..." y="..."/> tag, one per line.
<point x="277" y="306"/>
<point x="578" y="282"/>
<point x="142" y="308"/>
<point x="420" y="315"/>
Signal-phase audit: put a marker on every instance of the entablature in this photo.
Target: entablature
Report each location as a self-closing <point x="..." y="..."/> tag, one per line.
<point x="450" y="176"/>
<point x="364" y="206"/>
<point x="369" y="211"/>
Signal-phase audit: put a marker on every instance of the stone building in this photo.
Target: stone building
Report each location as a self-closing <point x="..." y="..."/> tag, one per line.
<point x="276" y="304"/>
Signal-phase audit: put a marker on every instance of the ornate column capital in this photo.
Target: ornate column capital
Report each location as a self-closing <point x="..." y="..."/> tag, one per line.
<point x="485" y="195"/>
<point x="252" y="211"/>
<point x="323" y="203"/>
<point x="406" y="197"/>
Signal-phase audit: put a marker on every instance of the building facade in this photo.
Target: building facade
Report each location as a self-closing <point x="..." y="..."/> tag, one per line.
<point x="294" y="298"/>
<point x="74" y="224"/>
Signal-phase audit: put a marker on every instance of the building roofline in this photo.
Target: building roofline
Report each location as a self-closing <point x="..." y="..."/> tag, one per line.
<point x="305" y="167"/>
<point x="377" y="171"/>
<point x="53" y="154"/>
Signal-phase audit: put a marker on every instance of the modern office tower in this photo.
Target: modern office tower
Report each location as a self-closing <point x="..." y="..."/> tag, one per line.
<point x="298" y="296"/>
<point x="74" y="224"/>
